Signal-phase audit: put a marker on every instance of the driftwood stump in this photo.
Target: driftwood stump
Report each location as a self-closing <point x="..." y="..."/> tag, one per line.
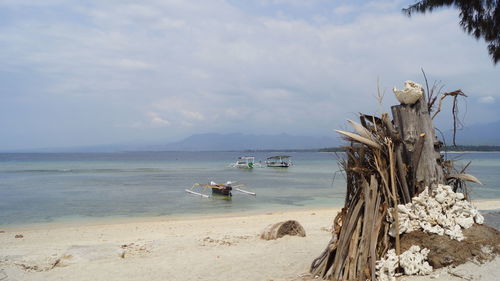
<point x="418" y="145"/>
<point x="387" y="163"/>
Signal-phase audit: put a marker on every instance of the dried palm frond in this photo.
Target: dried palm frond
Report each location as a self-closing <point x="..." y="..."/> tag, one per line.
<point x="465" y="177"/>
<point x="360" y="139"/>
<point x="362" y="131"/>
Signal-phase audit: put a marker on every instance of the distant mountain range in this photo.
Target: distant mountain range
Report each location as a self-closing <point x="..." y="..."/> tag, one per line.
<point x="238" y="142"/>
<point x="478" y="134"/>
<point x="209" y="142"/>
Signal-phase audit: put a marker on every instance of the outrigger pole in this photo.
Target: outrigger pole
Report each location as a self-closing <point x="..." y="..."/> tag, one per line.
<point x="197" y="193"/>
<point x="244" y="191"/>
<point x="205" y="186"/>
<point x="236" y="187"/>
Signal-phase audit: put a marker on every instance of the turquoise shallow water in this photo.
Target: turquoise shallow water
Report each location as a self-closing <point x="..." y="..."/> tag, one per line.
<point x="38" y="188"/>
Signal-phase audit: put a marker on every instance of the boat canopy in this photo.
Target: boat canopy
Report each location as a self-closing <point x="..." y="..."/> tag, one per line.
<point x="246" y="157"/>
<point x="279" y="157"/>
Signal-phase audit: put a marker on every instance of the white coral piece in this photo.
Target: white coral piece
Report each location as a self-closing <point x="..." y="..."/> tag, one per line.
<point x="411" y="93"/>
<point x="478" y="218"/>
<point x="464" y="221"/>
<point x="386" y="267"/>
<point x="413" y="262"/>
<point x="441" y="211"/>
<point x="428" y="227"/>
<point x="455" y="232"/>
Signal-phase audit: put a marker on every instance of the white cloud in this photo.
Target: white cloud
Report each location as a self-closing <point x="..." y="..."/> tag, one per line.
<point x="30" y="3"/>
<point x="193" y="115"/>
<point x="132" y="64"/>
<point x="156" y="120"/>
<point x="345" y="9"/>
<point x="487" y="99"/>
<point x="171" y="23"/>
<point x="299" y="3"/>
<point x="213" y="66"/>
<point x="382" y="5"/>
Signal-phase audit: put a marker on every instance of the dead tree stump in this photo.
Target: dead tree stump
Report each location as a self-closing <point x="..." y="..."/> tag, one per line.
<point x="418" y="145"/>
<point x="387" y="163"/>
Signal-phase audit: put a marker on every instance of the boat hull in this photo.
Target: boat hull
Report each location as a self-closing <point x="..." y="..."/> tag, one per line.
<point x="244" y="166"/>
<point x="222" y="191"/>
<point x="278" y="165"/>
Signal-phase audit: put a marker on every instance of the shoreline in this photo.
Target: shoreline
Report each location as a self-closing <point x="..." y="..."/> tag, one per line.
<point x="193" y="247"/>
<point x="482" y="205"/>
<point x="99" y="221"/>
<point x="470" y="151"/>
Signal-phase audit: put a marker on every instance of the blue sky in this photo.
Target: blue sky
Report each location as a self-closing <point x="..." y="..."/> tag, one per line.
<point x="75" y="73"/>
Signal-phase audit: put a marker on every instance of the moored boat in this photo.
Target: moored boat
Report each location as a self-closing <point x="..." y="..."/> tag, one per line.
<point x="244" y="162"/>
<point x="279" y="161"/>
<point x="219" y="189"/>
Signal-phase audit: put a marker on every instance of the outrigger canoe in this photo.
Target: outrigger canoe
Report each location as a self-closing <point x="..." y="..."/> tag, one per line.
<point x="220" y="189"/>
<point x="279" y="161"/>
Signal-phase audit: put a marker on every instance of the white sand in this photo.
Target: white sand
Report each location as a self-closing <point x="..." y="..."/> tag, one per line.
<point x="224" y="248"/>
<point x="468" y="271"/>
<point x="170" y="248"/>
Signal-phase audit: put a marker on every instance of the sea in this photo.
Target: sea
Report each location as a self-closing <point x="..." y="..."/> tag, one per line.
<point x="67" y="187"/>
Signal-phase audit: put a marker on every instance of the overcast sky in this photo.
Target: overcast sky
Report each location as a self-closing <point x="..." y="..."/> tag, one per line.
<point x="76" y="73"/>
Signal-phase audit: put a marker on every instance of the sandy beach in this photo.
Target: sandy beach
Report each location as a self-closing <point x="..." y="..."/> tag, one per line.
<point x="177" y="248"/>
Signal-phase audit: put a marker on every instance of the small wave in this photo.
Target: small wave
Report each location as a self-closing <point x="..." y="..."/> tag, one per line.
<point x="42" y="171"/>
<point x="103" y="170"/>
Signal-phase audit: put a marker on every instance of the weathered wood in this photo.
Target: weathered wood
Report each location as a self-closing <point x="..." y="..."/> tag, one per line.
<point x="280" y="229"/>
<point x="321" y="265"/>
<point x="369" y="215"/>
<point x="410" y="122"/>
<point x="401" y="168"/>
<point x="353" y="253"/>
<point x="406" y="189"/>
<point x="361" y="259"/>
<point x="345" y="237"/>
<point x="394" y="192"/>
<point x="379" y="219"/>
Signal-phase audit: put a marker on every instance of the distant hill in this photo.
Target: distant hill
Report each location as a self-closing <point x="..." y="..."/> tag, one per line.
<point x="483" y="148"/>
<point x="478" y="134"/>
<point x="237" y="142"/>
<point x="207" y="142"/>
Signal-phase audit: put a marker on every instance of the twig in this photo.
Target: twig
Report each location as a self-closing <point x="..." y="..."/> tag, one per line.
<point x="459" y="276"/>
<point x="394" y="194"/>
<point x="380" y="96"/>
<point x="465" y="168"/>
<point x="454" y="93"/>
<point x="429" y="93"/>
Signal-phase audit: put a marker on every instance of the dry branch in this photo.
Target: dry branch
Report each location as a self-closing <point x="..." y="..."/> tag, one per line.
<point x="452" y="94"/>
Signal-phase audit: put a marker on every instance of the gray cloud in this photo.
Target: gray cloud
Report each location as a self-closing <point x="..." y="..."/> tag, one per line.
<point x="166" y="69"/>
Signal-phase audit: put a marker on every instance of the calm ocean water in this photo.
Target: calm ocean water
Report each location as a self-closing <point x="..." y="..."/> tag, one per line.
<point x="37" y="188"/>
